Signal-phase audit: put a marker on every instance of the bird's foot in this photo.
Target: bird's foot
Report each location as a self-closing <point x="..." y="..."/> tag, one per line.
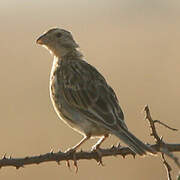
<point x="72" y="152"/>
<point x="97" y="149"/>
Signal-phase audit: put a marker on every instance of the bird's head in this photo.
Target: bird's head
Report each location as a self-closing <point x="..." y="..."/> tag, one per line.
<point x="58" y="41"/>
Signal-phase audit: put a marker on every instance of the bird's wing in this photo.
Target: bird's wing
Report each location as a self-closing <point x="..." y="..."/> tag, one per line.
<point x="85" y="89"/>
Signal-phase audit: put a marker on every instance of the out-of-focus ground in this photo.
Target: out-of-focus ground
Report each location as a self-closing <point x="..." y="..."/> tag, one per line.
<point x="134" y="44"/>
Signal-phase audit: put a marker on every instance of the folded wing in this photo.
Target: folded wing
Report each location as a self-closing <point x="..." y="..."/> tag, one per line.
<point x="85" y="89"/>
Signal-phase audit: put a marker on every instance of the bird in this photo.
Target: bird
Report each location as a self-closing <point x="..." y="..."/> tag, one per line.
<point x="81" y="96"/>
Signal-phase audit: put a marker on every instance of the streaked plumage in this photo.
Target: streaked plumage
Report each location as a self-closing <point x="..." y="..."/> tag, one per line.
<point x="81" y="96"/>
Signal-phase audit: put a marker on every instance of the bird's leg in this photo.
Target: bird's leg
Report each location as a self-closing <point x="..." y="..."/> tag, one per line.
<point x="96" y="148"/>
<point x="101" y="140"/>
<point x="74" y="148"/>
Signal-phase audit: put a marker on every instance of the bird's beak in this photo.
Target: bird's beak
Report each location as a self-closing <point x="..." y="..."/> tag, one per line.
<point x="40" y="40"/>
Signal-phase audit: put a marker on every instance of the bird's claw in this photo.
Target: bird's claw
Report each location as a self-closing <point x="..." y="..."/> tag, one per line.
<point x="72" y="152"/>
<point x="99" y="154"/>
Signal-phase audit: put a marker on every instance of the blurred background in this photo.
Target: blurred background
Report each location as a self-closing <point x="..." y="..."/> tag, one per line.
<point x="134" y="44"/>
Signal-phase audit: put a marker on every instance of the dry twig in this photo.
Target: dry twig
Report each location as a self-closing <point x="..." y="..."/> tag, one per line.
<point x="163" y="148"/>
<point x="82" y="155"/>
<point x="167" y="166"/>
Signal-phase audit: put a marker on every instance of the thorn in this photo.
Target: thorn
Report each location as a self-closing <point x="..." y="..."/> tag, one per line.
<point x="134" y="155"/>
<point x="40" y="156"/>
<point x="143" y="109"/>
<point x="68" y="165"/>
<point x="4" y="156"/>
<point x="51" y="151"/>
<point x="59" y="151"/>
<point x="17" y="167"/>
<point x="123" y="155"/>
<point x="27" y="157"/>
<point x="146" y="106"/>
<point x="113" y="147"/>
<point x="119" y="145"/>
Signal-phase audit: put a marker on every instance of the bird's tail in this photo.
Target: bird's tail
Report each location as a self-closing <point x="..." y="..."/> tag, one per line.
<point x="134" y="143"/>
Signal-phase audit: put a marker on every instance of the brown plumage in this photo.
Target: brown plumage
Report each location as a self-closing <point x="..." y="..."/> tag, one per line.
<point x="81" y="96"/>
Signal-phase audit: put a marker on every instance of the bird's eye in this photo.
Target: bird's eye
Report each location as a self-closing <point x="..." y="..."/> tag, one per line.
<point x="58" y="35"/>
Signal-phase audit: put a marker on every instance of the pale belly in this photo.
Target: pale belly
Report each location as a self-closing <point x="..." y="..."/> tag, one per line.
<point x="70" y="116"/>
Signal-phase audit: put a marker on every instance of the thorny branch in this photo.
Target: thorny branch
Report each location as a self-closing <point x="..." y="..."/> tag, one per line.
<point x="159" y="146"/>
<point x="159" y="141"/>
<point x="82" y="155"/>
